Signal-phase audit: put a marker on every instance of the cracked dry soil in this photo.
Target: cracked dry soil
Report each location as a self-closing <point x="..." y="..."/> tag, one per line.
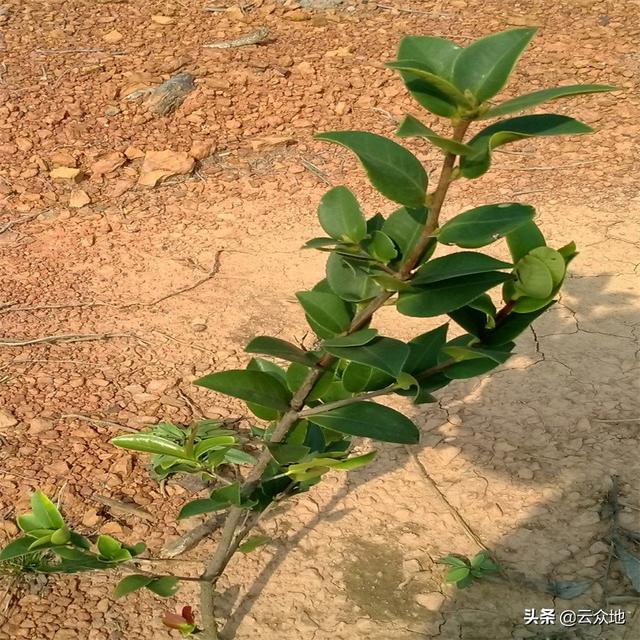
<point x="524" y="455"/>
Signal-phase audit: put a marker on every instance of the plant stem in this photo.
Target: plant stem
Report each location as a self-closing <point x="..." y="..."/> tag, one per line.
<point x="343" y="403"/>
<point x="229" y="541"/>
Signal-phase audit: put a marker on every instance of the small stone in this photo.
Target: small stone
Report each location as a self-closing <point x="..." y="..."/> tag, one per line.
<point x="79" y="199"/>
<point x="305" y="68"/>
<point x="62" y="158"/>
<point x="587" y="519"/>
<point x="108" y="163"/>
<point x="24" y="144"/>
<point x="112" y="37"/>
<point x="133" y="152"/>
<point x="199" y="325"/>
<point x="160" y="385"/>
<point x="201" y="149"/>
<point x="7" y="419"/>
<point x="525" y="474"/>
<point x="112" y="110"/>
<point x="59" y="468"/>
<point x="142" y="398"/>
<point x="162" y="20"/>
<point x="66" y="173"/>
<point x="432" y="601"/>
<point x="153" y="178"/>
<point x="39" y="425"/>
<point x="168" y="160"/>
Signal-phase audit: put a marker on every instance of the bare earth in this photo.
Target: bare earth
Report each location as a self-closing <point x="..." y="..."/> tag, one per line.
<point x="524" y="455"/>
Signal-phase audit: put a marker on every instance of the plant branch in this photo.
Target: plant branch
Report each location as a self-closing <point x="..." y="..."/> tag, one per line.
<point x="229" y="541"/>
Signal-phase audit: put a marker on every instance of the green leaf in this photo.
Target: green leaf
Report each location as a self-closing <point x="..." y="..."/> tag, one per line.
<point x="210" y="444"/>
<point x="237" y="456"/>
<point x="544" y="95"/>
<point x="436" y="94"/>
<point x="165" y="587"/>
<point x="553" y="260"/>
<point x="253" y="543"/>
<point x="424" y="349"/>
<point x="329" y="313"/>
<point x="340" y="215"/>
<point x="404" y="226"/>
<point x="252" y="386"/>
<point x="280" y="349"/>
<point x="484" y="66"/>
<point x="148" y="443"/>
<point x="285" y="453"/>
<point x="369" y="420"/>
<point x="353" y="340"/>
<point x="319" y="243"/>
<point x="454" y="561"/>
<point x="386" y="354"/>
<point x="296" y="375"/>
<point x="355" y="462"/>
<point x="523" y="239"/>
<point x="108" y="547"/>
<point x="511" y="130"/>
<point x="266" y="366"/>
<point x="45" y="511"/>
<point x="439" y="54"/>
<point x="359" y="377"/>
<point x="349" y="281"/>
<point x="474" y="363"/>
<point x="200" y="506"/>
<point x="395" y="172"/>
<point x="457" y="574"/>
<point x="447" y="295"/>
<point x="512" y="326"/>
<point x="486" y="224"/>
<point x="28" y="522"/>
<point x="533" y="278"/>
<point x="129" y="584"/>
<point x="471" y="320"/>
<point x="380" y="247"/>
<point x="457" y="264"/>
<point x="412" y="127"/>
<point x="474" y="353"/>
<point x="61" y="536"/>
<point x="16" y="549"/>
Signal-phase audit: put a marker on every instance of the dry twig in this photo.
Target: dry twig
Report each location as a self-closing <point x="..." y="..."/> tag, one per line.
<point x="255" y="37"/>
<point x="65" y="337"/>
<point x="125" y="507"/>
<point x="100" y="422"/>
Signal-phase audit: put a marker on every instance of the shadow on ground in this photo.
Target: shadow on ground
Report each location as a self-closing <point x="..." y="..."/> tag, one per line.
<point x="524" y="456"/>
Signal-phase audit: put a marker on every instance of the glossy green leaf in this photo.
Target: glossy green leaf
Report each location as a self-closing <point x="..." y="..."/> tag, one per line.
<point x="511" y="130"/>
<point x="512" y="326"/>
<point x="386" y="354"/>
<point x="355" y="462"/>
<point x="349" y="281"/>
<point x="28" y="522"/>
<point x="486" y="224"/>
<point x="369" y="420"/>
<point x="280" y="349"/>
<point x="461" y="353"/>
<point x="165" y="587"/>
<point x="544" y="95"/>
<point x="340" y="215"/>
<point x="252" y="386"/>
<point x="355" y="339"/>
<point x="330" y="314"/>
<point x="483" y="67"/>
<point x="436" y="94"/>
<point x="447" y="295"/>
<point x="412" y="127"/>
<point x="210" y="444"/>
<point x="230" y="494"/>
<point x="359" y="377"/>
<point x="129" y="584"/>
<point x="237" y="456"/>
<point x="553" y="260"/>
<point x="148" y="443"/>
<point x="424" y="349"/>
<point x="286" y="453"/>
<point x="45" y="511"/>
<point x="533" y="278"/>
<point x="471" y="362"/>
<point x="108" y="547"/>
<point x="457" y="574"/>
<point x="296" y="375"/>
<point x="471" y="320"/>
<point x="523" y="239"/>
<point x="457" y="264"/>
<point x="61" y="536"/>
<point x="380" y="247"/>
<point x="404" y="226"/>
<point x="253" y="542"/>
<point x="439" y="54"/>
<point x="319" y="243"/>
<point x="266" y="366"/>
<point x="16" y="549"/>
<point x="200" y="506"/>
<point x="395" y="172"/>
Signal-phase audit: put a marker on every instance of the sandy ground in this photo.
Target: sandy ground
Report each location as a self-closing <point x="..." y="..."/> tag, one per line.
<point x="524" y="455"/>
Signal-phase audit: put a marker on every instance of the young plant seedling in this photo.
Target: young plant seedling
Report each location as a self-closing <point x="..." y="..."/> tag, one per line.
<point x="315" y="404"/>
